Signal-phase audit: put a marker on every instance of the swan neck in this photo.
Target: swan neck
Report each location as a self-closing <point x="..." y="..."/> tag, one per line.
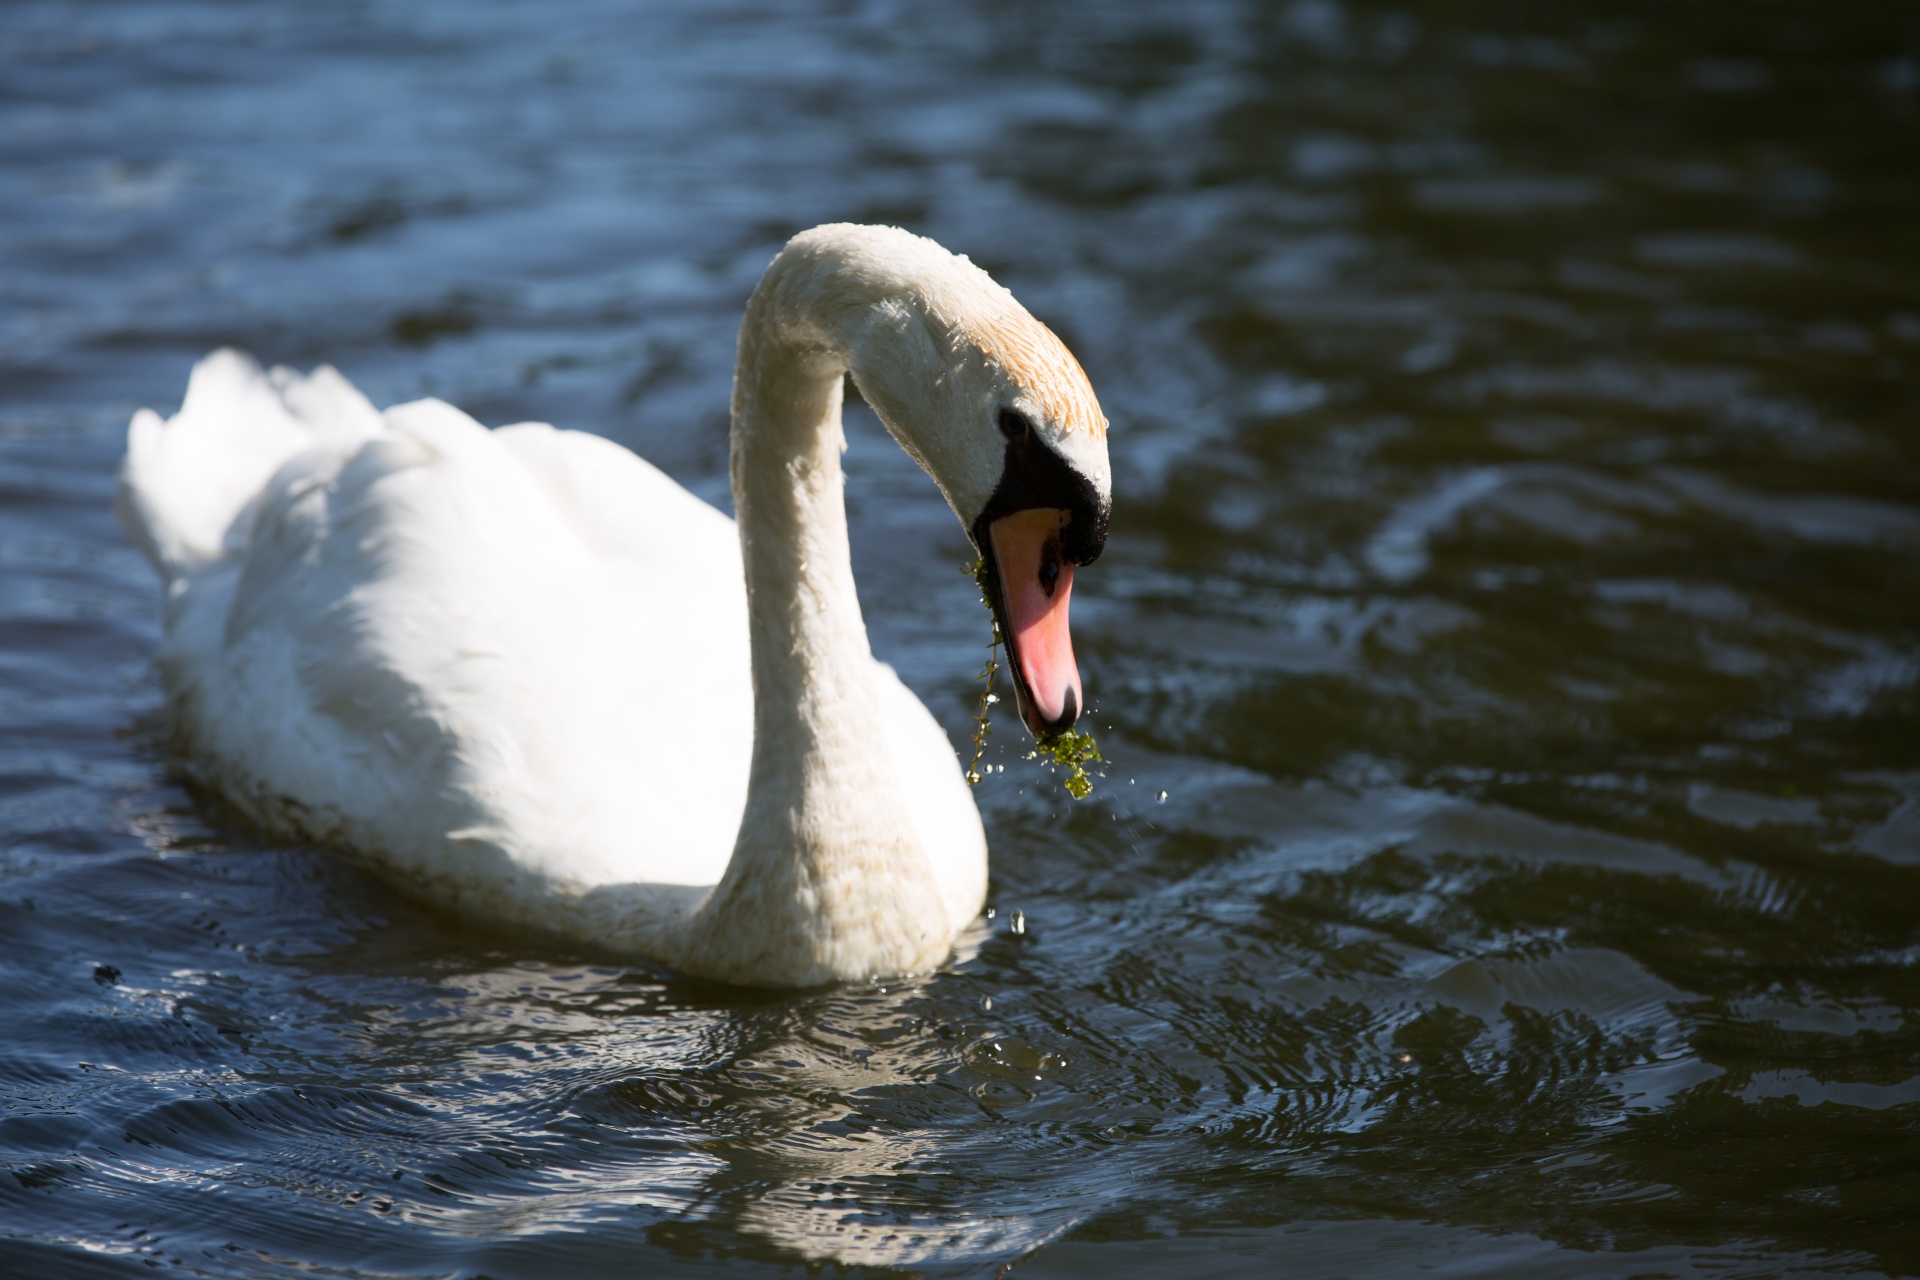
<point x="828" y="879"/>
<point x="811" y="659"/>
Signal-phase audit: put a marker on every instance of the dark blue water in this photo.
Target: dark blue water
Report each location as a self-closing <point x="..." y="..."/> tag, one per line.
<point x="1515" y="590"/>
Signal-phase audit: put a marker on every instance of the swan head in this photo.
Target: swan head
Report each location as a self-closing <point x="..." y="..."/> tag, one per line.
<point x="996" y="409"/>
<point x="1044" y="517"/>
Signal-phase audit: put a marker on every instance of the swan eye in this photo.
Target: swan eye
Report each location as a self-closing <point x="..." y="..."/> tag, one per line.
<point x="1014" y="424"/>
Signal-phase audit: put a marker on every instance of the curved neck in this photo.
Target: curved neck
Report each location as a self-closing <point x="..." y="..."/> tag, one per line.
<point x="816" y="714"/>
<point x="828" y="879"/>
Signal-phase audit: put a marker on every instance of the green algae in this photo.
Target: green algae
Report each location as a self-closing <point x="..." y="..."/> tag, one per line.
<point x="981" y="727"/>
<point x="1073" y="751"/>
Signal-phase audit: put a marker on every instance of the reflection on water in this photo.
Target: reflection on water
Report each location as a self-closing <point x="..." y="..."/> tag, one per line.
<point x="1513" y="591"/>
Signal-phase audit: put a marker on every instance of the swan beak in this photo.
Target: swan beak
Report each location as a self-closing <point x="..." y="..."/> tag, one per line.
<point x="1035" y="578"/>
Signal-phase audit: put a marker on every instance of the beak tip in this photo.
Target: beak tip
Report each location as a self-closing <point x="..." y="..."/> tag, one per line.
<point x="1042" y="728"/>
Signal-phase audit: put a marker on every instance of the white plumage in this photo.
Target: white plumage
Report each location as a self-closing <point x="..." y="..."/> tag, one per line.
<point x="513" y="668"/>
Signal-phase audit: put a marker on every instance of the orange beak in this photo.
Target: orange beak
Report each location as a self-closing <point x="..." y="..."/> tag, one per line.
<point x="1036" y="580"/>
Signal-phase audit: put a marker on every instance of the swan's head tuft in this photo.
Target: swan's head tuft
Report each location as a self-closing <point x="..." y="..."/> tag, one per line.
<point x="1036" y="361"/>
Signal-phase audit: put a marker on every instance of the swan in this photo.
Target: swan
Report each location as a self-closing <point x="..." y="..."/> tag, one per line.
<point x="535" y="680"/>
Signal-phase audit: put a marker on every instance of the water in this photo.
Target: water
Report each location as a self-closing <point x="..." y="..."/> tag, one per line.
<point x="1513" y="590"/>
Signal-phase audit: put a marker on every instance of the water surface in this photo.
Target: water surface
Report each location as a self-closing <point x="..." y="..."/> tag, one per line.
<point x="1514" y="590"/>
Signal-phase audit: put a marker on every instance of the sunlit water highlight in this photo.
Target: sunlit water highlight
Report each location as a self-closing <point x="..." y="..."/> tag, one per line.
<point x="1513" y="606"/>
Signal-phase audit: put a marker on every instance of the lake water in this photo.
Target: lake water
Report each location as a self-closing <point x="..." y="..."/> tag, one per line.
<point x="1514" y="590"/>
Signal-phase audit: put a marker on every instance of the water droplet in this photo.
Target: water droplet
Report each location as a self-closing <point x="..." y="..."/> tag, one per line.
<point x="992" y="698"/>
<point x="990" y="912"/>
<point x="1160" y="797"/>
<point x="1018" y="921"/>
<point x="986" y="1002"/>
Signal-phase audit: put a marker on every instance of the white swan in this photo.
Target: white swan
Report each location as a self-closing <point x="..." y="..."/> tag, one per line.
<point x="534" y="678"/>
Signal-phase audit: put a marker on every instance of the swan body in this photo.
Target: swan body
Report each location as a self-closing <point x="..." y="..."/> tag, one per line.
<point x="527" y="674"/>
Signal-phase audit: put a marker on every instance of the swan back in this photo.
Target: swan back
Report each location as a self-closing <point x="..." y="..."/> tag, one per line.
<point x="509" y="665"/>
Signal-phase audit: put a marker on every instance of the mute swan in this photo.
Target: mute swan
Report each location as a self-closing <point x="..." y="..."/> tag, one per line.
<point x="527" y="674"/>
